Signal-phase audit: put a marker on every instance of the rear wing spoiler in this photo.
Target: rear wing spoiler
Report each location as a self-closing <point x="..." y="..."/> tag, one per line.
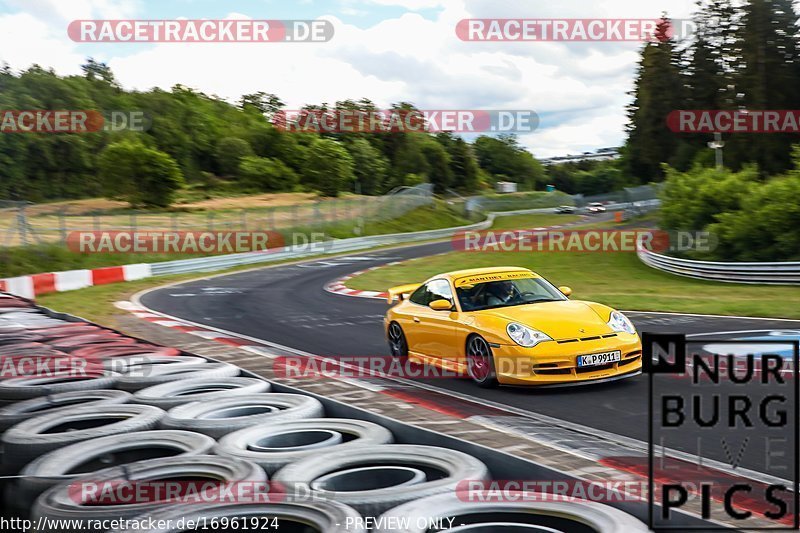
<point x="401" y="290"/>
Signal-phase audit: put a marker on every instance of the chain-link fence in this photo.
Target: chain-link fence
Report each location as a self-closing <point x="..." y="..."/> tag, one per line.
<point x="23" y="223"/>
<point x="516" y="201"/>
<point x="639" y="199"/>
<point x="628" y="195"/>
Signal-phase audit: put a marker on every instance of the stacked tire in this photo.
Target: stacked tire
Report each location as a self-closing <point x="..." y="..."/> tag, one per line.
<point x="136" y="431"/>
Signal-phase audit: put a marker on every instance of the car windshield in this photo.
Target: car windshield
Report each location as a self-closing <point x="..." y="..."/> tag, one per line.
<point x="507" y="293"/>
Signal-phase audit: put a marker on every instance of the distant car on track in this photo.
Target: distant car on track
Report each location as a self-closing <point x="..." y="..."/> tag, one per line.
<point x="565" y="209"/>
<point x="596" y="207"/>
<point x="509" y="325"/>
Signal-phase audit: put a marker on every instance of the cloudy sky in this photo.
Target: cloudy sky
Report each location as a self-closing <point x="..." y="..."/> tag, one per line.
<point x="385" y="50"/>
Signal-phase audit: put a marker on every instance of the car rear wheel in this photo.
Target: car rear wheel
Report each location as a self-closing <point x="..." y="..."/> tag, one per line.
<point x="397" y="340"/>
<point x="480" y="362"/>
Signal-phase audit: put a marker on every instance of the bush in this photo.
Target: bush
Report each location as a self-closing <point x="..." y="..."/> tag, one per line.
<point x="751" y="220"/>
<point x="140" y="175"/>
<point x="266" y="174"/>
<point x="766" y="228"/>
<point x="329" y="167"/>
<point x="692" y="200"/>
<point x="229" y="153"/>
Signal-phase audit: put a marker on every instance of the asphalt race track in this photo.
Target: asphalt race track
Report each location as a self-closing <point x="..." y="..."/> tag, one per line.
<point x="287" y="305"/>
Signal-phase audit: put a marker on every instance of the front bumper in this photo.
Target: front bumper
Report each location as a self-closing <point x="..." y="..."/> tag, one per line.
<point x="551" y="363"/>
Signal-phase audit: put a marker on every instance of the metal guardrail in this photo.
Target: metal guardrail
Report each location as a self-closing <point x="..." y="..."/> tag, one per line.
<point x="783" y="273"/>
<point x="208" y="264"/>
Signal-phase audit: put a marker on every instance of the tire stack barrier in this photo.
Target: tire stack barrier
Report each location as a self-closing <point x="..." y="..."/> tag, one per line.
<point x="146" y="413"/>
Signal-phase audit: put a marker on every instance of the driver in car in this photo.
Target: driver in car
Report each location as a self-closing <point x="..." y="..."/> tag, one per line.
<point x="500" y="293"/>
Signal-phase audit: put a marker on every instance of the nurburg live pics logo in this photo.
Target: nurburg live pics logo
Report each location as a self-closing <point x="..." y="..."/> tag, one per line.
<point x="740" y="412"/>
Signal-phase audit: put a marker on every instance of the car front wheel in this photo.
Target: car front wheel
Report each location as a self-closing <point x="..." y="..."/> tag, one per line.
<point x="480" y="362"/>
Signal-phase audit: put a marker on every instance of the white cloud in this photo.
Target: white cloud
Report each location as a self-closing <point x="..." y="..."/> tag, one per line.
<point x="59" y="11"/>
<point x="25" y="40"/>
<point x="413" y="5"/>
<point x="579" y="89"/>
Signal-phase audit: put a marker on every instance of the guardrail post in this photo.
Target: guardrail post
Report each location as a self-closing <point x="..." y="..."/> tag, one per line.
<point x="22" y="224"/>
<point x="62" y="225"/>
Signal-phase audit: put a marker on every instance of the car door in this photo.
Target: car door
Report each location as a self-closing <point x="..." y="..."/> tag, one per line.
<point x="430" y="332"/>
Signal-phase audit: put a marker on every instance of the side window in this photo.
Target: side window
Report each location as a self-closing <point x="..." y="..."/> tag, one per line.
<point x="437" y="289"/>
<point x="421" y="296"/>
<point x="440" y="290"/>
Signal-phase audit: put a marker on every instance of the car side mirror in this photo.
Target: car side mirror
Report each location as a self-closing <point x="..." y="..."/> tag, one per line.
<point x="566" y="291"/>
<point x="440" y="305"/>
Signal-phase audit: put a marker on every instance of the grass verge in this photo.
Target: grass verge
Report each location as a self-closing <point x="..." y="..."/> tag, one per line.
<point x="536" y="220"/>
<point x="96" y="304"/>
<point x="616" y="279"/>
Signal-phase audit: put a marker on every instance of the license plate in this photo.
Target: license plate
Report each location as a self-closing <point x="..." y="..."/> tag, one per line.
<point x="597" y="359"/>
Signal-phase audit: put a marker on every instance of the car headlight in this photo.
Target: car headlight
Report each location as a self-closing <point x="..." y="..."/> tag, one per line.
<point x="525" y="336"/>
<point x="620" y="323"/>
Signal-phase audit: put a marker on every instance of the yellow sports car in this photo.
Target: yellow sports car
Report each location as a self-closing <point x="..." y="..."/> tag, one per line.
<point x="510" y="326"/>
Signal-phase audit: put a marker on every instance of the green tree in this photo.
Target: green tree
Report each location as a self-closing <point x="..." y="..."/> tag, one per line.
<point x="95" y="70"/>
<point x="439" y="173"/>
<point x="140" y="175"/>
<point x="715" y="55"/>
<point x="264" y="103"/>
<point x="769" y="76"/>
<point x="503" y="156"/>
<point x="463" y="164"/>
<point x="370" y="167"/>
<point x="408" y="159"/>
<point x="692" y="200"/>
<point x="657" y="92"/>
<point x="266" y="174"/>
<point x="766" y="228"/>
<point x="328" y="168"/>
<point x="229" y="152"/>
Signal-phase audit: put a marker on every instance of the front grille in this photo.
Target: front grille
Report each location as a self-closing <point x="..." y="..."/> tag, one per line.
<point x="629" y="360"/>
<point x="553" y="371"/>
<point x="587" y="369"/>
<point x="585" y="339"/>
